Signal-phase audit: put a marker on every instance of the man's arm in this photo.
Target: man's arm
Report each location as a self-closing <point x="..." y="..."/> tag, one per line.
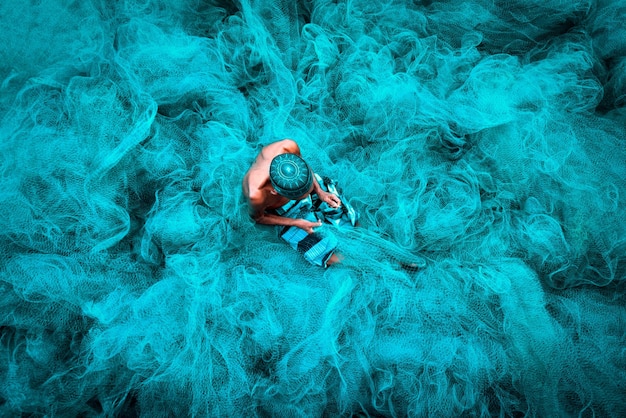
<point x="330" y="198"/>
<point x="260" y="216"/>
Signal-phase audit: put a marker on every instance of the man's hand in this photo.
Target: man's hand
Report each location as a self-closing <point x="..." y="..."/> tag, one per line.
<point x="332" y="200"/>
<point x="308" y="226"/>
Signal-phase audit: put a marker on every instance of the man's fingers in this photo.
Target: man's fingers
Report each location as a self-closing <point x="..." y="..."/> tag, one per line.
<point x="334" y="200"/>
<point x="315" y="225"/>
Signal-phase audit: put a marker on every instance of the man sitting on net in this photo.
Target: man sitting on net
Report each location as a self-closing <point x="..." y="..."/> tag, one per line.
<point x="282" y="190"/>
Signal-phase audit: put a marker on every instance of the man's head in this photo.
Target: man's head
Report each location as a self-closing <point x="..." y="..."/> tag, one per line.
<point x="290" y="176"/>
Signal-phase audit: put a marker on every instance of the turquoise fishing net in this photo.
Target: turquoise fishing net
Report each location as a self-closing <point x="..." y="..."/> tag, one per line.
<point x="482" y="142"/>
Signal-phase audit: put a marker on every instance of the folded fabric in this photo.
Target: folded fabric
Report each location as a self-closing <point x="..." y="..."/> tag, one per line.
<point x="317" y="248"/>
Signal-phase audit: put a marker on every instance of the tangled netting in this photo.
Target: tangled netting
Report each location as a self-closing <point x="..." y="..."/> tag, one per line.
<point x="484" y="138"/>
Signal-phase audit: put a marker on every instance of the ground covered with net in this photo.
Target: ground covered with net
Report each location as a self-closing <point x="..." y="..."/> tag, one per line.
<point x="482" y="142"/>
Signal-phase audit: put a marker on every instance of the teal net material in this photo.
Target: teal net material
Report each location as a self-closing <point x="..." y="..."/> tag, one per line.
<point x="483" y="143"/>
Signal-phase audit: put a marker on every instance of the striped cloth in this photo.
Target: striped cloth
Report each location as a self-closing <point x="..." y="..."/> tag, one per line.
<point x="317" y="248"/>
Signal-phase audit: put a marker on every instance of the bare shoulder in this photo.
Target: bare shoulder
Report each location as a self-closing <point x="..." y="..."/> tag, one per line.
<point x="256" y="197"/>
<point x="286" y="146"/>
<point x="254" y="180"/>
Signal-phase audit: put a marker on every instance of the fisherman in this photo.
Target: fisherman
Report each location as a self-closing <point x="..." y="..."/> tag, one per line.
<point x="281" y="189"/>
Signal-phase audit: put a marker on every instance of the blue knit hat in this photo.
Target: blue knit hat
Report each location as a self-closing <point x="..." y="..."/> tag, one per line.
<point x="290" y="176"/>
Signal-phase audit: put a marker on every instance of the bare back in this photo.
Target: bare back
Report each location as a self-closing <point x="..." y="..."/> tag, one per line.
<point x="256" y="183"/>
